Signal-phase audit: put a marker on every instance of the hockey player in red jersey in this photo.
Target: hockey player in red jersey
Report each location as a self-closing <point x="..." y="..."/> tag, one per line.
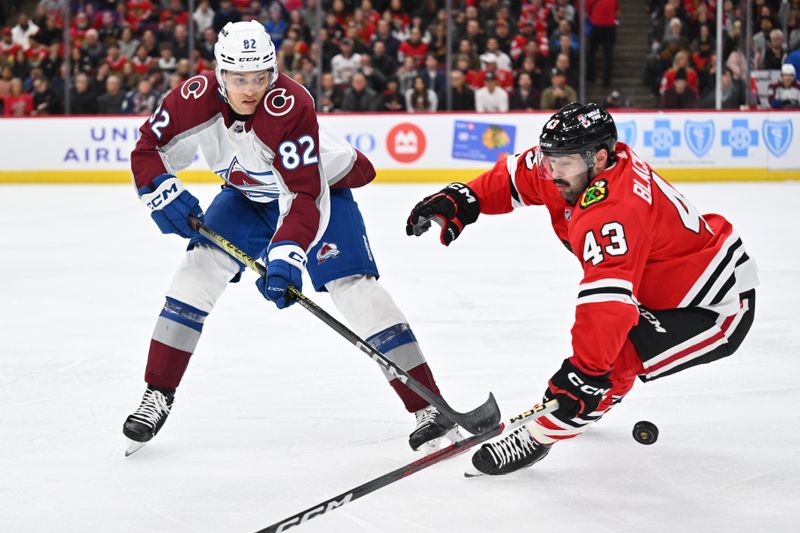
<point x="287" y="198"/>
<point x="663" y="287"/>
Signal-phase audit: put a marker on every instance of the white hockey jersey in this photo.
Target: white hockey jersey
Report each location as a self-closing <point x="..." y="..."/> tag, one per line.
<point x="278" y="152"/>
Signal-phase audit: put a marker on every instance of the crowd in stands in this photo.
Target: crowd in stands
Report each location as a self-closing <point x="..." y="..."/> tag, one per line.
<point x="388" y="55"/>
<point x="682" y="68"/>
<point x="377" y="55"/>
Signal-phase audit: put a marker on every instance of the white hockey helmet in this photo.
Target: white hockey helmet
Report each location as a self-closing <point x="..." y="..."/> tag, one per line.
<point x="244" y="47"/>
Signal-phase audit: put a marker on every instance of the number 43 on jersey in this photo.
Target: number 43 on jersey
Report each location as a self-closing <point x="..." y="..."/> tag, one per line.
<point x="611" y="241"/>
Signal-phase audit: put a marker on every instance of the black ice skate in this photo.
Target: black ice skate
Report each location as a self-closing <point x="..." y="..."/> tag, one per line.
<point x="146" y="421"/>
<point x="431" y="427"/>
<point x="517" y="450"/>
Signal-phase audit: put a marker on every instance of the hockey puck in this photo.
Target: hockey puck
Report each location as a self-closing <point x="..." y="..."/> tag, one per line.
<point x="645" y="432"/>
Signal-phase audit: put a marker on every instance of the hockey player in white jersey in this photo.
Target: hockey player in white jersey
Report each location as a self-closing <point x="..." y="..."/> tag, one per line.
<point x="286" y="199"/>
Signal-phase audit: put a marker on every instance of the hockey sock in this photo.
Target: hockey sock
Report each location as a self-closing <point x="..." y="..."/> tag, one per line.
<point x="400" y="346"/>
<point x="174" y="340"/>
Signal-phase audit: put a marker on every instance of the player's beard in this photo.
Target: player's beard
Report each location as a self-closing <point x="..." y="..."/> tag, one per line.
<point x="571" y="192"/>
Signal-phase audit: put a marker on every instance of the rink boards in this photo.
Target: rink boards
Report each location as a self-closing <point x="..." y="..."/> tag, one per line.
<point x="437" y="147"/>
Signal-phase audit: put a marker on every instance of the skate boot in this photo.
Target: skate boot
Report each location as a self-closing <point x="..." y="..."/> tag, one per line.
<point x="146" y="421"/>
<point x="517" y="450"/>
<point x="431" y="427"/>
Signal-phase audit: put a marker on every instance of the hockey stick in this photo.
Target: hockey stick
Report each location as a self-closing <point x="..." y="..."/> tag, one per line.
<point x="456" y="448"/>
<point x="478" y="421"/>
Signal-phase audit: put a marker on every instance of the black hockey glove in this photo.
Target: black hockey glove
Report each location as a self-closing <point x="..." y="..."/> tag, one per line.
<point x="453" y="207"/>
<point x="577" y="392"/>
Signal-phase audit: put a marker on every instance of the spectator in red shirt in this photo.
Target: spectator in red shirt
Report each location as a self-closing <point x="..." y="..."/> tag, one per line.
<point x="8" y="47"/>
<point x="138" y="12"/>
<point x="37" y="52"/>
<point x="681" y="61"/>
<point x="399" y="16"/>
<point x="504" y="78"/>
<point x="414" y="47"/>
<point x="18" y="103"/>
<point x="603" y="16"/>
<point x="474" y="78"/>
<point x="142" y="62"/>
<point x="176" y="12"/>
<point x="79" y="28"/>
<point x="680" y="94"/>
<point x="115" y="60"/>
<point x="337" y="9"/>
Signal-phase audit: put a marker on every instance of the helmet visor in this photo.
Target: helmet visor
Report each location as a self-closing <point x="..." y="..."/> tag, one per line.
<point x="257" y="80"/>
<point x="562" y="168"/>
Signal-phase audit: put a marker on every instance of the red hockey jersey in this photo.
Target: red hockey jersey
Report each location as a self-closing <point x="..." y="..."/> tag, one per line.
<point x="274" y="153"/>
<point x="638" y="240"/>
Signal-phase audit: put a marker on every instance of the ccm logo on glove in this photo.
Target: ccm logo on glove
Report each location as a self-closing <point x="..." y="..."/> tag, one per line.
<point x="585" y="388"/>
<point x="167" y="190"/>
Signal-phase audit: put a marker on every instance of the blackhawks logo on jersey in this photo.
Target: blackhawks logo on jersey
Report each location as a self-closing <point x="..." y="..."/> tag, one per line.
<point x="597" y="192"/>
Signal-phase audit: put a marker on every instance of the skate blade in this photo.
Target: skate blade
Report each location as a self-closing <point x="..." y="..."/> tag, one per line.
<point x="469" y="474"/>
<point x="434" y="445"/>
<point x="133" y="447"/>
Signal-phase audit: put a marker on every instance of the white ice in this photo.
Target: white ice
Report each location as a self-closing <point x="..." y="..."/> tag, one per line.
<point x="277" y="413"/>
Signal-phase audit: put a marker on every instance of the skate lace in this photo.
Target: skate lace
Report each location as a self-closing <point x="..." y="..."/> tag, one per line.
<point x="426" y="416"/>
<point x="516" y="446"/>
<point x="153" y="406"/>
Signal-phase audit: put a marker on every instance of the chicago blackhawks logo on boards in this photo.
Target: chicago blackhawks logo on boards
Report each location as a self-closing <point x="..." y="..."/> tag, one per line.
<point x="194" y="87"/>
<point x="597" y="192"/>
<point x="277" y="103"/>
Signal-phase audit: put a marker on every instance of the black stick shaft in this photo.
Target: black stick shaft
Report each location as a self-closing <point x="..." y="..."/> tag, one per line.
<point x="479" y="420"/>
<point x="429" y="460"/>
<point x="379" y="482"/>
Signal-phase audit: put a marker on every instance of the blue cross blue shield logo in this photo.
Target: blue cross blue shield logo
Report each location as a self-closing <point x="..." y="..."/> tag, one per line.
<point x="626" y="132"/>
<point x="699" y="136"/>
<point x="662" y="138"/>
<point x="740" y="138"/>
<point x="777" y="136"/>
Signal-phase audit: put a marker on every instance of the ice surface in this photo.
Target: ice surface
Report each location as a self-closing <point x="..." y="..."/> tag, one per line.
<point x="277" y="412"/>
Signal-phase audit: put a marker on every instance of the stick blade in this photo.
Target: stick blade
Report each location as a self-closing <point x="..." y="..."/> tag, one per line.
<point x="482" y="419"/>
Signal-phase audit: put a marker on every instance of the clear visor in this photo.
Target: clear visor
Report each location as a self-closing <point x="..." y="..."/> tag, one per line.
<point x="561" y="167"/>
<point x="257" y="80"/>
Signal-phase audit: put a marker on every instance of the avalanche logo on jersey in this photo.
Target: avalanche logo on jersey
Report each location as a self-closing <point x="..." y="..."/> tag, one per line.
<point x="249" y="182"/>
<point x="328" y="250"/>
<point x="597" y="192"/>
